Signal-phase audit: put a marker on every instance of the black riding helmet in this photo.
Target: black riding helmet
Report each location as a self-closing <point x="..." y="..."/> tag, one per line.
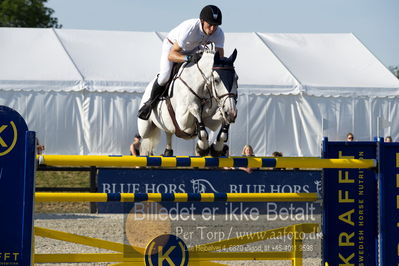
<point x="211" y="14"/>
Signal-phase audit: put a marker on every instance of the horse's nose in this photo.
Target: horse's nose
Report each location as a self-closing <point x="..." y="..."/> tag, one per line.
<point x="232" y="116"/>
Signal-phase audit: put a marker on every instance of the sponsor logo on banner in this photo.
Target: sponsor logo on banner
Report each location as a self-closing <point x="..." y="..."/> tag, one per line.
<point x="206" y="181"/>
<point x="166" y="250"/>
<point x="9" y="258"/>
<point x="349" y="207"/>
<point x="8" y="141"/>
<point x="202" y="186"/>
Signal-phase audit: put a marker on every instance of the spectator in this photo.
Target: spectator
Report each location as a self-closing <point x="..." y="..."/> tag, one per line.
<point x="278" y="154"/>
<point x="135" y="146"/>
<point x="39" y="148"/>
<point x="388" y="139"/>
<point x="350" y="137"/>
<point x="247" y="151"/>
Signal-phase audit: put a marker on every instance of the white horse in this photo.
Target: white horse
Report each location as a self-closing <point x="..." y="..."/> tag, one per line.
<point x="202" y="95"/>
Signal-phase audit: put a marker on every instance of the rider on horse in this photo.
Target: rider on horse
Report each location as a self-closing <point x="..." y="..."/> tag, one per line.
<point x="181" y="45"/>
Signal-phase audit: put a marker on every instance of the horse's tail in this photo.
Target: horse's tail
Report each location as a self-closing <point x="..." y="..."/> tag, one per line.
<point x="150" y="142"/>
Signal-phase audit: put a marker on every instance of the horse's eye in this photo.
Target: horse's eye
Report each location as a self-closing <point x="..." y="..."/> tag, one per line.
<point x="217" y="81"/>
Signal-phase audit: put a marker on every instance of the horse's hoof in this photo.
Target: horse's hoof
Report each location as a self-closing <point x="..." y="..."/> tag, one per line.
<point x="168" y="153"/>
<point x="201" y="152"/>
<point x="215" y="153"/>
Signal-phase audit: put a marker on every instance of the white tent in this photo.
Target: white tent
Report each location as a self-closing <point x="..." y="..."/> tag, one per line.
<point x="80" y="90"/>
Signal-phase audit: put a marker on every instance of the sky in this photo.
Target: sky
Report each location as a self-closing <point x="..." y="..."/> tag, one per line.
<point x="374" y="22"/>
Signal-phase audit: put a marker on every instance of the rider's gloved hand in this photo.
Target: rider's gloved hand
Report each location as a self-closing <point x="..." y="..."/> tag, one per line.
<point x="193" y="58"/>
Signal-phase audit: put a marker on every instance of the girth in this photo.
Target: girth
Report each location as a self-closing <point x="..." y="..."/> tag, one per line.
<point x="178" y="132"/>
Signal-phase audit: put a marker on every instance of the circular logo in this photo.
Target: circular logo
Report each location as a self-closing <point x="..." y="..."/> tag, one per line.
<point x="166" y="250"/>
<point x="8" y="138"/>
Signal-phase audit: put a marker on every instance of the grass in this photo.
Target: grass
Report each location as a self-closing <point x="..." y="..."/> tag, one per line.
<point x="62" y="179"/>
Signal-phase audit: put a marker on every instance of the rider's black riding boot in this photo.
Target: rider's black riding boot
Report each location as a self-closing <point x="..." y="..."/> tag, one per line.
<point x="156" y="92"/>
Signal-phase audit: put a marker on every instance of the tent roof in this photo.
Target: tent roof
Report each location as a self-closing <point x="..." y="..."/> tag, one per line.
<point x="74" y="60"/>
<point x="325" y="64"/>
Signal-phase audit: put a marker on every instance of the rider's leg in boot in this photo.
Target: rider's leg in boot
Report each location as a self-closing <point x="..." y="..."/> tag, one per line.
<point x="145" y="111"/>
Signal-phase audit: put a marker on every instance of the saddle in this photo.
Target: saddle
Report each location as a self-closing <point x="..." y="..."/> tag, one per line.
<point x="168" y="92"/>
<point x="176" y="68"/>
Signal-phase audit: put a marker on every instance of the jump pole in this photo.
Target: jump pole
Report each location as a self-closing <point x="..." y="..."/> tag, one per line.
<point x="176" y="197"/>
<point x="203" y="162"/>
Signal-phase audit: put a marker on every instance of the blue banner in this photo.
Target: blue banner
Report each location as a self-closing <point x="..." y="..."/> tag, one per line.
<point x="17" y="155"/>
<point x="349" y="207"/>
<point x="214" y="181"/>
<point x="388" y="158"/>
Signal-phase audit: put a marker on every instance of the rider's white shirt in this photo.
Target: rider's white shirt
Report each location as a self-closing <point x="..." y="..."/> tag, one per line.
<point x="189" y="36"/>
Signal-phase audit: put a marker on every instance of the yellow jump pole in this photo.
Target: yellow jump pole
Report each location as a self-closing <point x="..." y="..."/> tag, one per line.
<point x="202" y="162"/>
<point x="175" y="197"/>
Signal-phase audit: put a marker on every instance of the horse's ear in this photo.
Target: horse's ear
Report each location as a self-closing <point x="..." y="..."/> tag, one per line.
<point x="233" y="56"/>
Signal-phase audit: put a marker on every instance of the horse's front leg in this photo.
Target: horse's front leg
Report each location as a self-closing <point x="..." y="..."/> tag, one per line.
<point x="217" y="148"/>
<point x="168" y="149"/>
<point x="202" y="147"/>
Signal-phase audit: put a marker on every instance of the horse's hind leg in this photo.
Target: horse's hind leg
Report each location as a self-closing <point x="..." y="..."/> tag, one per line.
<point x="168" y="150"/>
<point x="150" y="134"/>
<point x="217" y="146"/>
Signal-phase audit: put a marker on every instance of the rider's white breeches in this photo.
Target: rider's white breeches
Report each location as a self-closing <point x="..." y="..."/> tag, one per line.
<point x="165" y="67"/>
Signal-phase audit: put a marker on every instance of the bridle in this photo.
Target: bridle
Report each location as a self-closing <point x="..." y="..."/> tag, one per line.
<point x="221" y="99"/>
<point x="229" y="94"/>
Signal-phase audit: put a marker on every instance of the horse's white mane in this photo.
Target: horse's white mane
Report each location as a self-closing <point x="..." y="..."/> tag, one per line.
<point x="210" y="51"/>
<point x="209" y="48"/>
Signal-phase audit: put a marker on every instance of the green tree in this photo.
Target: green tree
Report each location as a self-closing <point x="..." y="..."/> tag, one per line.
<point x="27" y="13"/>
<point x="395" y="70"/>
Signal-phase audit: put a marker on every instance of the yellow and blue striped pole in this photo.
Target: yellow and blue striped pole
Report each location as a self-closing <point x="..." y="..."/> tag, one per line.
<point x="202" y="162"/>
<point x="175" y="197"/>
